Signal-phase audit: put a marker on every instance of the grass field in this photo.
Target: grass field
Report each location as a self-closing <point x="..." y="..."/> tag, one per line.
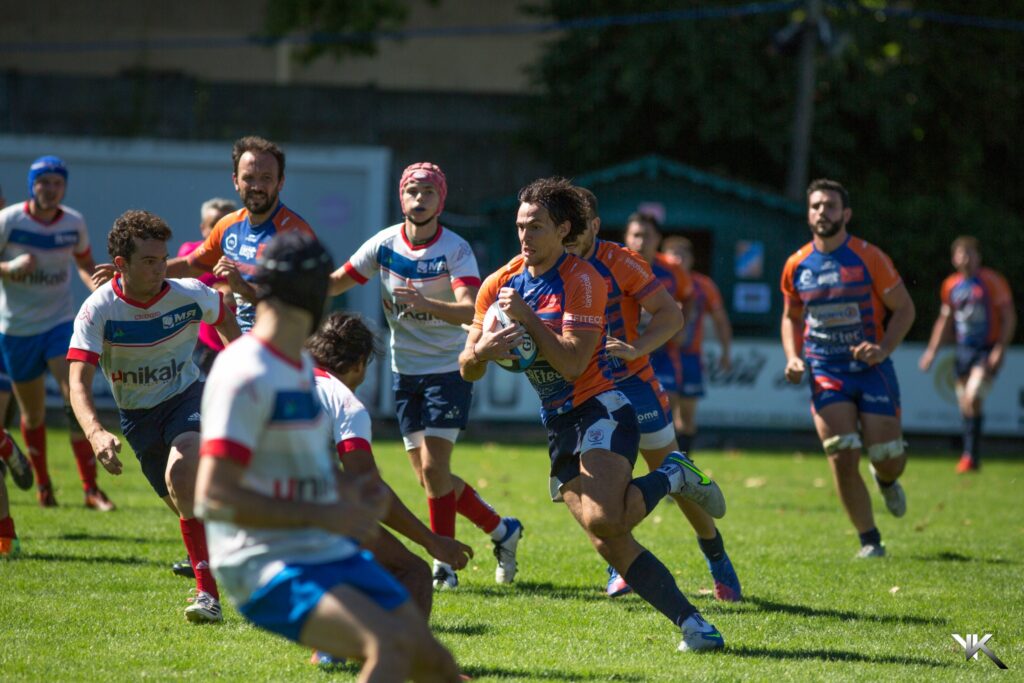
<point x="92" y="598"/>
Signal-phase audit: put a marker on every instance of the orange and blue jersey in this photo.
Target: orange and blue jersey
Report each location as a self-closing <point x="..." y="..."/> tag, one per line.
<point x="629" y="280"/>
<point x="977" y="302"/>
<point x="237" y="238"/>
<point x="570" y="295"/>
<point x="840" y="294"/>
<point x="706" y="299"/>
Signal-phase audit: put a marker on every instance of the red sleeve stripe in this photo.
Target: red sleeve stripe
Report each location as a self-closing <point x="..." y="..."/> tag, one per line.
<point x="351" y="271"/>
<point x="226" y="448"/>
<point x="84" y="356"/>
<point x="466" y="282"/>
<point x="353" y="444"/>
<point x="84" y="255"/>
<point x="222" y="311"/>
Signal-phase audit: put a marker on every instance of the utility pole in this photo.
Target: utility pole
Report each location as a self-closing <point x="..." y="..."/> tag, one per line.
<point x="803" y="116"/>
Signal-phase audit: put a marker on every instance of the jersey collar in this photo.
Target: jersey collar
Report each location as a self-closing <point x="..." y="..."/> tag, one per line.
<point x="115" y="284"/>
<point x="417" y="247"/>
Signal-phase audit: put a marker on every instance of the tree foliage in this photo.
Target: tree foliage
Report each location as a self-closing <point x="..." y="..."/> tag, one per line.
<point x="338" y="28"/>
<point x="919" y="119"/>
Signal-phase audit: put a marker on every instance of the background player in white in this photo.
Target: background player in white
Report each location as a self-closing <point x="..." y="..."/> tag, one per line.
<point x="283" y="521"/>
<point x="38" y="241"/>
<point x="141" y="329"/>
<point x="343" y="348"/>
<point x="429" y="281"/>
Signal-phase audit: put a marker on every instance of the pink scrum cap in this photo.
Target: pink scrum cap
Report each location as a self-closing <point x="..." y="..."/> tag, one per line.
<point x="425" y="172"/>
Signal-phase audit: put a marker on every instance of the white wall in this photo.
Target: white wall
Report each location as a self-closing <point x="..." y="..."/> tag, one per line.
<point x="343" y="192"/>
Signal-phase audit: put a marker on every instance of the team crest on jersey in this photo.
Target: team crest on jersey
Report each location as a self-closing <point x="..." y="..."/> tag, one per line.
<point x="806" y="279"/>
<point x="231" y="242"/>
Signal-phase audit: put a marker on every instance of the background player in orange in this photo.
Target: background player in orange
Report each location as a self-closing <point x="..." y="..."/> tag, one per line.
<point x="837" y="291"/>
<point x="633" y="288"/>
<point x="642" y="235"/>
<point x="978" y="302"/>
<point x="559" y="300"/>
<point x="706" y="300"/>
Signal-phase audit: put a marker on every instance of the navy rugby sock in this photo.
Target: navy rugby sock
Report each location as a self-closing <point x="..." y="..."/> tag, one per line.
<point x="653" y="582"/>
<point x="972" y="436"/>
<point x="653" y="486"/>
<point x="685" y="442"/>
<point x="871" y="537"/>
<point x="713" y="548"/>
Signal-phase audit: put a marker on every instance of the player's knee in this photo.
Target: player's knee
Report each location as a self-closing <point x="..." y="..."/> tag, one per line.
<point x="180" y="477"/>
<point x="888" y="450"/>
<point x="604" y="525"/>
<point x="834" y="445"/>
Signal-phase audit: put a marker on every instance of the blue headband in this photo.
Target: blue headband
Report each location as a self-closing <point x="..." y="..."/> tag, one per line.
<point x="42" y="166"/>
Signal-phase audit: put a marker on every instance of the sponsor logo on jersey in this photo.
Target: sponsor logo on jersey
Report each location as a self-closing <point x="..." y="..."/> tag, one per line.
<point x="41" y="277"/>
<point x="833" y="315"/>
<point x="173" y="320"/>
<point x="829" y="278"/>
<point x="301" y="488"/>
<point x="231" y="242"/>
<point x="148" y="375"/>
<point x="247" y="251"/>
<point x="806" y="280"/>
<point x="851" y="273"/>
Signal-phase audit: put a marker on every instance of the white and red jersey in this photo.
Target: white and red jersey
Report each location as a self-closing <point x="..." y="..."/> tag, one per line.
<point x="350" y="421"/>
<point x="144" y="348"/>
<point x="260" y="410"/>
<point x="37" y="302"/>
<point x="420" y="343"/>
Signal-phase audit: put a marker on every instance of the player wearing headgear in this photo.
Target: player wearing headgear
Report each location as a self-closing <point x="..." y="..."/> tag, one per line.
<point x="283" y="523"/>
<point x="633" y="290"/>
<point x="38" y="241"/>
<point x="837" y="291"/>
<point x="559" y="300"/>
<point x="231" y="250"/>
<point x="429" y="279"/>
<point x="978" y="303"/>
<point x="141" y="329"/>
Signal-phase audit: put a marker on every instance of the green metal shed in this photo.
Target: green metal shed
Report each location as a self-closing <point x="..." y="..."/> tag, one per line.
<point x="741" y="235"/>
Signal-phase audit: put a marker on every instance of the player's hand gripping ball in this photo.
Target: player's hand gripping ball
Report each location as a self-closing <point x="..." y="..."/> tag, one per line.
<point x="525" y="352"/>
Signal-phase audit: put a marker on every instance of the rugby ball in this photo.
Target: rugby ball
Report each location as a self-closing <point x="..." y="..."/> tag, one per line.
<point x="525" y="352"/>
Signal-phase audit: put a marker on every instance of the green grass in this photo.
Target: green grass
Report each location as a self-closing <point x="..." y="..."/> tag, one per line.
<point x="92" y="597"/>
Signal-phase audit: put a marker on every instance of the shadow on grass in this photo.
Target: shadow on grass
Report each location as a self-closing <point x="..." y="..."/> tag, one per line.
<point x="461" y="629"/>
<point x="807" y="611"/>
<point x="830" y="656"/>
<point x="543" y="589"/>
<point x="89" y="559"/>
<point x="545" y="674"/>
<point x="949" y="556"/>
<point x="81" y="536"/>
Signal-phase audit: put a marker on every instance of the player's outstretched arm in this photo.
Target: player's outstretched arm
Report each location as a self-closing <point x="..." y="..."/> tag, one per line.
<point x="180" y="267"/>
<point x="341" y="281"/>
<point x="19" y="265"/>
<point x="723" y="331"/>
<point x="458" y="312"/>
<point x="666" y="321"/>
<point x="220" y="497"/>
<point x="792" y="323"/>
<point x="940" y="331"/>
<point x="227" y="328"/>
<point x="86" y="266"/>
<point x="400" y="518"/>
<point x="898" y="301"/>
<point x="1008" y="321"/>
<point x="105" y="445"/>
